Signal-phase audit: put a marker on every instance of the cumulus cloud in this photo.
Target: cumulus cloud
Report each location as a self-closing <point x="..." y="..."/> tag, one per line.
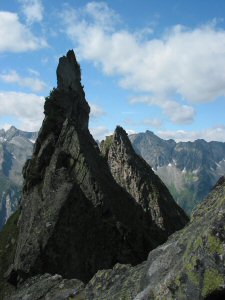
<point x="101" y="15"/>
<point x="5" y="126"/>
<point x="99" y="133"/>
<point x="154" y="122"/>
<point x="130" y="131"/>
<point x="26" y="108"/>
<point x="183" y="62"/>
<point x="178" y="113"/>
<point x="211" y="134"/>
<point x="35" y="84"/>
<point x="15" y="36"/>
<point x="96" y="111"/>
<point x="33" y="10"/>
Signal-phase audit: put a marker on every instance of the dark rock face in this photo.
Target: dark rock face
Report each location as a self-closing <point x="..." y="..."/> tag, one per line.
<point x="136" y="176"/>
<point x="189" y="169"/>
<point x="8" y="237"/>
<point x="75" y="219"/>
<point x="15" y="147"/>
<point x="190" y="265"/>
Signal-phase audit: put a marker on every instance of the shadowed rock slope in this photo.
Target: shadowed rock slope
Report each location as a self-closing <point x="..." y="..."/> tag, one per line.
<point x="136" y="176"/>
<point x="75" y="219"/>
<point x="190" y="265"/>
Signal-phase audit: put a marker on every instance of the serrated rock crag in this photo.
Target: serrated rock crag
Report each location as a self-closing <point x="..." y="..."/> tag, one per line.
<point x="136" y="176"/>
<point x="75" y="219"/>
<point x="190" y="265"/>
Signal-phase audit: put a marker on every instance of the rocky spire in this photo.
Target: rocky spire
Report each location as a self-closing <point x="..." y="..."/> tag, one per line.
<point x="68" y="72"/>
<point x="68" y="100"/>
<point x="75" y="219"/>
<point x="136" y="176"/>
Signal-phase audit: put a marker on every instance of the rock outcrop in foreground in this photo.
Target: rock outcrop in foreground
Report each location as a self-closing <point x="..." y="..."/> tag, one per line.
<point x="136" y="176"/>
<point x="75" y="219"/>
<point x="190" y="265"/>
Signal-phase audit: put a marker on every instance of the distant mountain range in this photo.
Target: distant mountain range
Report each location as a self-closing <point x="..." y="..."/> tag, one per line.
<point x="189" y="169"/>
<point x="15" y="147"/>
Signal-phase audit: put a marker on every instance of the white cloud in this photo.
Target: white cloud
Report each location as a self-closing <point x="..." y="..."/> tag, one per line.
<point x="130" y="131"/>
<point x="130" y="122"/>
<point x="183" y="62"/>
<point x="99" y="133"/>
<point x="33" y="10"/>
<point x="26" y="108"/>
<point x="96" y="111"/>
<point x="154" y="122"/>
<point x="178" y="113"/>
<point x="33" y="72"/>
<point x="100" y="14"/>
<point x="15" y="36"/>
<point x="5" y="126"/>
<point x="35" y="84"/>
<point x="211" y="134"/>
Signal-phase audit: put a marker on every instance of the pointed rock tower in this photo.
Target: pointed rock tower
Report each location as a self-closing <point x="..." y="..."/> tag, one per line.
<point x="136" y="176"/>
<point x="75" y="219"/>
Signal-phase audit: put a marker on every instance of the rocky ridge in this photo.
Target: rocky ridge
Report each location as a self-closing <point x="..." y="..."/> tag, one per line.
<point x="136" y="176"/>
<point x="189" y="169"/>
<point x="75" y="219"/>
<point x="190" y="265"/>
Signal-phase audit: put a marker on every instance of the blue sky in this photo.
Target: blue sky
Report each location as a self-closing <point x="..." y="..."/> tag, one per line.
<point x="146" y="65"/>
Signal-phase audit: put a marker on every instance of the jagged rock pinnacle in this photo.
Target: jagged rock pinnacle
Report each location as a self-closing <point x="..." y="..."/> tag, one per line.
<point x="67" y="101"/>
<point x="75" y="219"/>
<point x="136" y="176"/>
<point x="68" y="72"/>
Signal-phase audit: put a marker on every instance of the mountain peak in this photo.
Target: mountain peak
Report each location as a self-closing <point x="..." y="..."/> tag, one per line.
<point x="12" y="129"/>
<point x="150" y="132"/>
<point x="67" y="101"/>
<point x="133" y="174"/>
<point x="121" y="136"/>
<point x="119" y="130"/>
<point x="75" y="219"/>
<point x="11" y="132"/>
<point x="68" y="72"/>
